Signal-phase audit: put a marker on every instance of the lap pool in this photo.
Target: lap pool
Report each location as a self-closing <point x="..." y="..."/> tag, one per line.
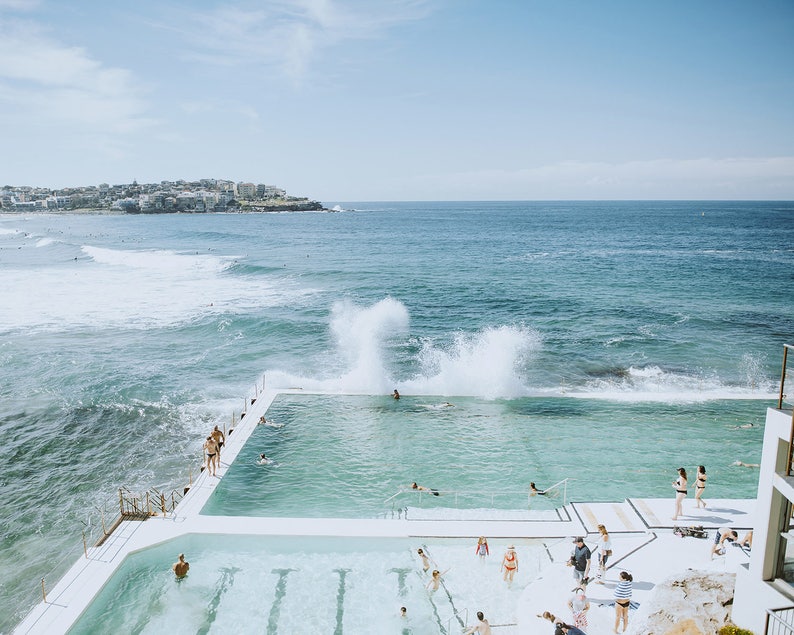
<point x="256" y="584"/>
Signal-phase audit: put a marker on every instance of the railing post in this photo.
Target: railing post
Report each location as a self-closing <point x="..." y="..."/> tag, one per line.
<point x="85" y="547"/>
<point x="782" y="378"/>
<point x="162" y="503"/>
<point x="121" y="502"/>
<point x="102" y="516"/>
<point x="43" y="591"/>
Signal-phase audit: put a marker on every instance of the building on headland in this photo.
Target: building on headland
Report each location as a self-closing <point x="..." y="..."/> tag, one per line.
<point x="764" y="592"/>
<point x="206" y="195"/>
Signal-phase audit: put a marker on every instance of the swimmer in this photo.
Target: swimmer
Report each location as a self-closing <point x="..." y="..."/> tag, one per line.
<point x="534" y="491"/>
<point x="482" y="626"/>
<point x="262" y="421"/>
<point x="395" y="394"/>
<point x="744" y="426"/>
<point x="263" y="460"/>
<point x="743" y="464"/>
<point x="403" y="612"/>
<point x="425" y="560"/>
<point x="180" y="567"/>
<point x="422" y="488"/>
<point x="435" y="580"/>
<point x="270" y="424"/>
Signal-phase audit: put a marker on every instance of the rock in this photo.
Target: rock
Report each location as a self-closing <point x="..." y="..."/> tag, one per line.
<point x="692" y="603"/>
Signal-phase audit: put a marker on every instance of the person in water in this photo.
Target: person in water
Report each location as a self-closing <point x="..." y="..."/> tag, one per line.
<point x="263" y="460"/>
<point x="510" y="564"/>
<point x="482" y="626"/>
<point x="482" y="548"/>
<point x="534" y="491"/>
<point x="422" y="488"/>
<point x="395" y="394"/>
<point x="180" y="567"/>
<point x="435" y="580"/>
<point x="425" y="560"/>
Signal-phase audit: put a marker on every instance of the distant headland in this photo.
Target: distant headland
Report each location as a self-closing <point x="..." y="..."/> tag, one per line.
<point x="165" y="197"/>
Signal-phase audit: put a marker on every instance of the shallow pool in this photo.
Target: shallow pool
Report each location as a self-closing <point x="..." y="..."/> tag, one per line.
<point x="252" y="584"/>
<point x="347" y="456"/>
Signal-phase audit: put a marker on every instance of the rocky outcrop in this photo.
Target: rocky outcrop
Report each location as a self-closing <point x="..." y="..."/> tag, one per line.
<point x="693" y="603"/>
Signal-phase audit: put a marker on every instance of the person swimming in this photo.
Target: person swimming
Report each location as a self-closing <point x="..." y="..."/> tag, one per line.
<point x="743" y="464"/>
<point x="422" y="488"/>
<point x="534" y="491"/>
<point x="263" y="460"/>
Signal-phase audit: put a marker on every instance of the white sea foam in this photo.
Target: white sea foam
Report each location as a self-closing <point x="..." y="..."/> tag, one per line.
<point x="44" y="242"/>
<point x="651" y="383"/>
<point x="485" y="363"/>
<point x="134" y="289"/>
<point x="8" y="232"/>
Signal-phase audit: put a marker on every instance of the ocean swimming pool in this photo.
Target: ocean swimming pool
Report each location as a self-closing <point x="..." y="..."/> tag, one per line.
<point x="350" y="456"/>
<point x="254" y="584"/>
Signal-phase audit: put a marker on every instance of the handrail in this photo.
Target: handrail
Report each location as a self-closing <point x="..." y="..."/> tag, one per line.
<point x="781" y="398"/>
<point x="775" y="625"/>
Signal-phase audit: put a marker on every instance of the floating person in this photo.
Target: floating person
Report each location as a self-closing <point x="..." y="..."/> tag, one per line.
<point x="403" y="612"/>
<point x="700" y="486"/>
<point x="743" y="426"/>
<point x="270" y="424"/>
<point x="425" y="560"/>
<point x="743" y="464"/>
<point x="395" y="394"/>
<point x="180" y="567"/>
<point x="534" y="491"/>
<point x="422" y="488"/>
<point x="262" y="421"/>
<point x="482" y="548"/>
<point x="722" y="535"/>
<point x="482" y="626"/>
<point x="509" y="564"/>
<point x="679" y="485"/>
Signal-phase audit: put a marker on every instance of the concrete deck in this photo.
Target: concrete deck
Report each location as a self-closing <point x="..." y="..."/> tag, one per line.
<point x="641" y="531"/>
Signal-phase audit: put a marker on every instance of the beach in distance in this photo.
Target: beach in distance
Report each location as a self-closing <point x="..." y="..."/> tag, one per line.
<point x="605" y="342"/>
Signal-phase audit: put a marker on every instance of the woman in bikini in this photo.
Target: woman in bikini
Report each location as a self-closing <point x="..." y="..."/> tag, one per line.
<point x="510" y="564"/>
<point x="623" y="593"/>
<point x="700" y="485"/>
<point x="482" y="548"/>
<point x="679" y="485"/>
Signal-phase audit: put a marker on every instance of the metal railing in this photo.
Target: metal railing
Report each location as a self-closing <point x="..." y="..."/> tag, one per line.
<point x="779" y="621"/>
<point x="781" y="401"/>
<point x="479" y="495"/>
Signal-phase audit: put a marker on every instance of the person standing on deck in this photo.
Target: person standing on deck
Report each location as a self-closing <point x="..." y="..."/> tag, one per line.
<point x="604" y="551"/>
<point x="580" y="560"/>
<point x="679" y="485"/>
<point x="220" y="439"/>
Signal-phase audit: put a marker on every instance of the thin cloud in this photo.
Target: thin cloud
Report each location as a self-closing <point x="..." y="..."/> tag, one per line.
<point x="288" y="35"/>
<point x="47" y="82"/>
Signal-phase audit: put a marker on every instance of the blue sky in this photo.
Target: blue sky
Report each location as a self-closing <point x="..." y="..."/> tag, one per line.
<point x="355" y="100"/>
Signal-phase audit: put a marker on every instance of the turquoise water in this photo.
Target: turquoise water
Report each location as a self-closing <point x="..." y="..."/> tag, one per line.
<point x="124" y="339"/>
<point x="307" y="585"/>
<point x="347" y="456"/>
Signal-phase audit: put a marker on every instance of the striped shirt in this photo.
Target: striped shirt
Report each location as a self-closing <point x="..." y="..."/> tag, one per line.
<point x="623" y="590"/>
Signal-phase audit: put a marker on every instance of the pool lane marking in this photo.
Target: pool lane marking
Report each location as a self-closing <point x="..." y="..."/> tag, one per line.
<point x="275" y="609"/>
<point x="227" y="580"/>
<point x="340" y="601"/>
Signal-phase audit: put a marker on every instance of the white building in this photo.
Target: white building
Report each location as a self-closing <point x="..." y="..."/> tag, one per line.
<point x="764" y="595"/>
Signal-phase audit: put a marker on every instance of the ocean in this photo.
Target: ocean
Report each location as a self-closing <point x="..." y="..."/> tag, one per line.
<point x="604" y="342"/>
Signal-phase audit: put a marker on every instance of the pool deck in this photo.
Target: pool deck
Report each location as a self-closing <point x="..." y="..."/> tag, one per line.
<point x="641" y="531"/>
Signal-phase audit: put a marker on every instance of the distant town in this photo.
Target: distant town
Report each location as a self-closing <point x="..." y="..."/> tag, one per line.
<point x="165" y="197"/>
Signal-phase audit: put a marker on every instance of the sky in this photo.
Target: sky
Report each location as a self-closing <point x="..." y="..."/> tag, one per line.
<point x="388" y="100"/>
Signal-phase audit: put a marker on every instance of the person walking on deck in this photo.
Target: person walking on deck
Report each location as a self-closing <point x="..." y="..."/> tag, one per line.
<point x="700" y="486"/>
<point x="580" y="560"/>
<point x="623" y="592"/>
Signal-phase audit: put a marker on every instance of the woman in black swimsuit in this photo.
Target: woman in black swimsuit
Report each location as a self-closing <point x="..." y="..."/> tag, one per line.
<point x="679" y="485"/>
<point x="700" y="485"/>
